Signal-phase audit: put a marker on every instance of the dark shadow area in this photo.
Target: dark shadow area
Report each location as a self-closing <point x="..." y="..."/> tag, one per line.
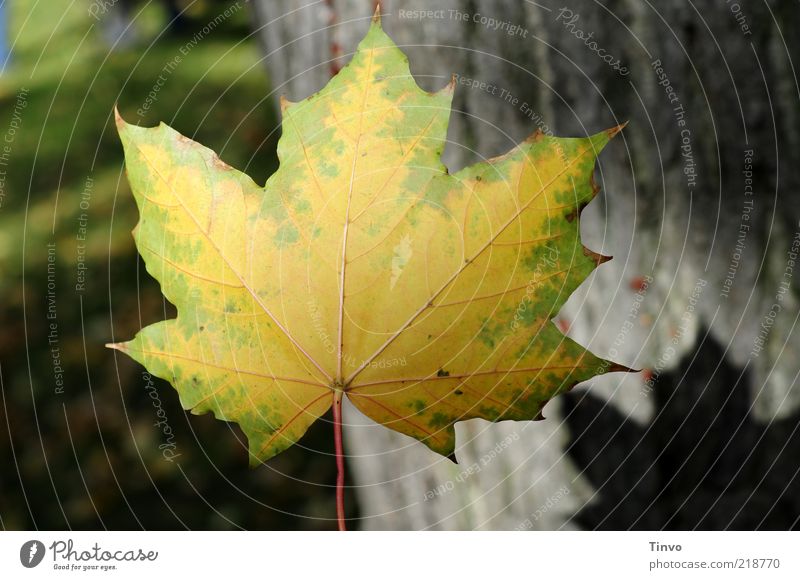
<point x="702" y="463"/>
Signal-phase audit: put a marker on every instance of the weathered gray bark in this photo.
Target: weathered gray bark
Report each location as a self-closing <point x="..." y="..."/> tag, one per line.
<point x="738" y="89"/>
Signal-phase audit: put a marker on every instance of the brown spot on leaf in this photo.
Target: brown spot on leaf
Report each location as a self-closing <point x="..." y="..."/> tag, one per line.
<point x="595" y="187"/>
<point x="595" y="257"/>
<point x="618" y="368"/>
<point x="220" y="164"/>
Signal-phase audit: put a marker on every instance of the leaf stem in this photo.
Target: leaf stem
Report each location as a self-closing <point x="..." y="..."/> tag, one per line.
<point x="337" y="438"/>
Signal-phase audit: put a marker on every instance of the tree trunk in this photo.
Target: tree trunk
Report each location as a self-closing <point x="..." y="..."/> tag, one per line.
<point x="709" y="89"/>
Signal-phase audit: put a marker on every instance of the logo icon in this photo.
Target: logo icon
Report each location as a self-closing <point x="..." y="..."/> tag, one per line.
<point x="31" y="553"/>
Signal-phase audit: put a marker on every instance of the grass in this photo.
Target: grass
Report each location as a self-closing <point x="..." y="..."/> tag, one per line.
<point x="217" y="94"/>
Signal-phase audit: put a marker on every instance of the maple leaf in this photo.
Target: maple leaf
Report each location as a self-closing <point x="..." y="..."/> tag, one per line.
<point x="363" y="268"/>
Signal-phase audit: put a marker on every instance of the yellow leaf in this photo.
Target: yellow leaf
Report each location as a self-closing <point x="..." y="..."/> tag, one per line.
<point x="363" y="267"/>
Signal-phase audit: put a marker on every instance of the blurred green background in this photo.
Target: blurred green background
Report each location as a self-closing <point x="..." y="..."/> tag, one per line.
<point x="85" y="454"/>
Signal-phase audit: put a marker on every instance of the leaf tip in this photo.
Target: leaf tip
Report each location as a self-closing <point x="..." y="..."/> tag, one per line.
<point x="376" y="15"/>
<point x="452" y="457"/>
<point x="614" y="130"/>
<point x="447" y="90"/>
<point x="618" y="368"/>
<point x="285" y="103"/>
<point x="118" y="118"/>
<point x="595" y="257"/>
<point x="253" y="461"/>
<point x="451" y="86"/>
<point x="534" y="137"/>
